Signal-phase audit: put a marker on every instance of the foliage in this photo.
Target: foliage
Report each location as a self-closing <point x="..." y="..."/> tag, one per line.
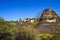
<point x="26" y="33"/>
<point x="11" y="31"/>
<point x="45" y="36"/>
<point x="6" y="30"/>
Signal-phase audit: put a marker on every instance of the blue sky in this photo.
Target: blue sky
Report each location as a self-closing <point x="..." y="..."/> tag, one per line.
<point x="15" y="9"/>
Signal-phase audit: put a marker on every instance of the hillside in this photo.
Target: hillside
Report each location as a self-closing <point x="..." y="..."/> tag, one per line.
<point x="46" y="27"/>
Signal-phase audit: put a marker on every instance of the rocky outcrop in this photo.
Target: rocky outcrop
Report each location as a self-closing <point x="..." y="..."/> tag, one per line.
<point x="49" y="22"/>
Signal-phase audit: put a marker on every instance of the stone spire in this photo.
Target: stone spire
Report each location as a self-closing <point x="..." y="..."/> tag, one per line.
<point x="48" y="14"/>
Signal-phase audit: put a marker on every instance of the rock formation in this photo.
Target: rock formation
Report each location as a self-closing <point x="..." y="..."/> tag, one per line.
<point x="49" y="22"/>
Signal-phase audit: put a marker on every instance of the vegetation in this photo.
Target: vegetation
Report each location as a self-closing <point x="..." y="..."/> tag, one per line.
<point x="12" y="31"/>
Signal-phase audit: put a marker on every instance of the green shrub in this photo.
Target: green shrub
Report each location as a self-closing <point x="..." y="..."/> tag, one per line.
<point x="45" y="36"/>
<point x="26" y="33"/>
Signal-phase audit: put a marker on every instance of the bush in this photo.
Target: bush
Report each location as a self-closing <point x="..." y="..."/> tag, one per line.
<point x="45" y="36"/>
<point x="26" y="33"/>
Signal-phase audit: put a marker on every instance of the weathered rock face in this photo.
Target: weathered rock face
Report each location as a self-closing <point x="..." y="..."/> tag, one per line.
<point x="48" y="14"/>
<point x="49" y="22"/>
